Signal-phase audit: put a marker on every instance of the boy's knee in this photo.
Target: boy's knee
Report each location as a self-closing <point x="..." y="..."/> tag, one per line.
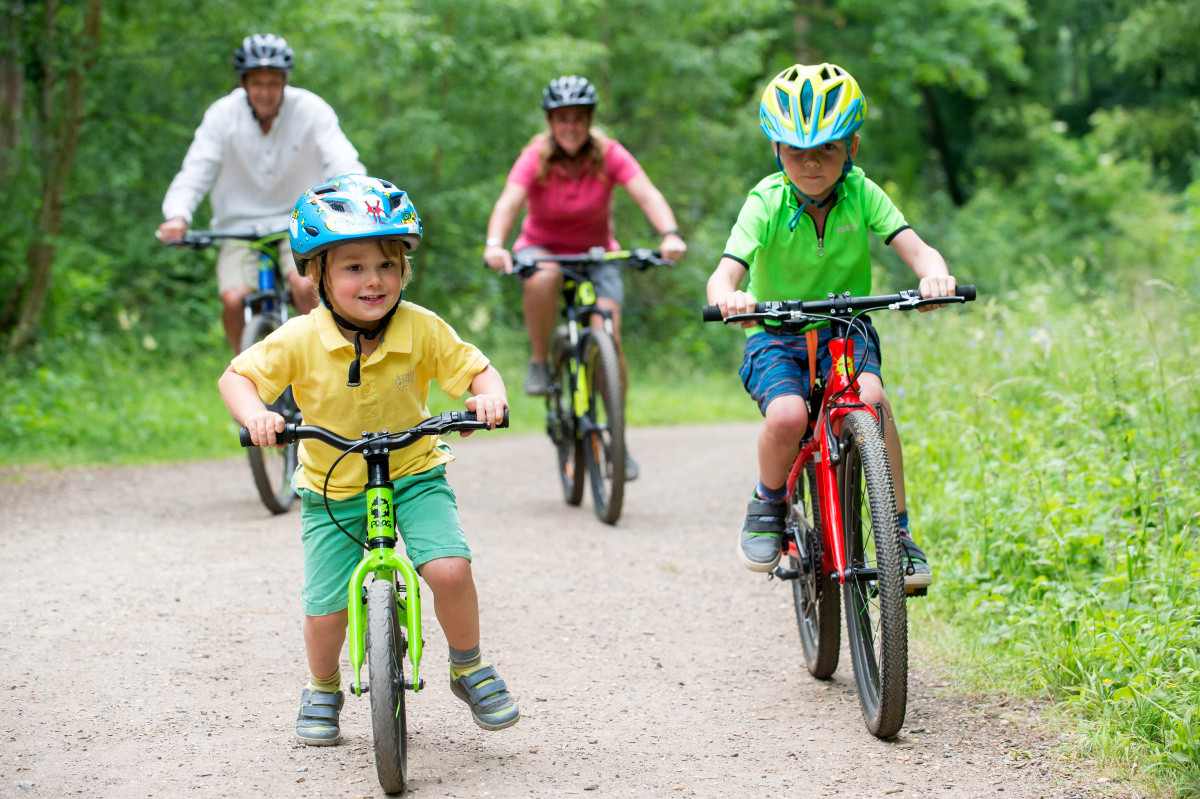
<point x="447" y="574"/>
<point x="787" y="416"/>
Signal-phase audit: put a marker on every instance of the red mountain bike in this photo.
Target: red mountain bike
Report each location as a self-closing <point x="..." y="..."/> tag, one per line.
<point x="841" y="521"/>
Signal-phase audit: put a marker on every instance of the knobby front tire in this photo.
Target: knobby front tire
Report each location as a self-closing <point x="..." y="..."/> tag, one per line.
<point x="604" y="426"/>
<point x="561" y="423"/>
<point x="814" y="592"/>
<point x="272" y="467"/>
<point x="876" y="616"/>
<point x="385" y="646"/>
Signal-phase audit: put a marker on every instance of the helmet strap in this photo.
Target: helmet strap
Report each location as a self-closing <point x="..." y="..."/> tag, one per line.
<point x="353" y="378"/>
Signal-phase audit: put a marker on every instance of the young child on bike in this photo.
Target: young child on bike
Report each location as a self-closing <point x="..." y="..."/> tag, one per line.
<point x="361" y="361"/>
<point x="802" y="234"/>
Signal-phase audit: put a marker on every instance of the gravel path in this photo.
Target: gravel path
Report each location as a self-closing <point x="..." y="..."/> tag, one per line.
<point x="150" y="646"/>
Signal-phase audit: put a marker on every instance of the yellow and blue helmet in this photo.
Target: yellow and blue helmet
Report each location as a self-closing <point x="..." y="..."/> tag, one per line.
<point x="806" y="106"/>
<point x="351" y="208"/>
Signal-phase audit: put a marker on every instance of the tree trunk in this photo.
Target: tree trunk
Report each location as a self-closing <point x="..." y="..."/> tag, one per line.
<point x="937" y="137"/>
<point x="12" y="88"/>
<point x="39" y="256"/>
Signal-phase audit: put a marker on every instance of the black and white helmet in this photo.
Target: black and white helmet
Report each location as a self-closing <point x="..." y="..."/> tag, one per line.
<point x="568" y="90"/>
<point x="262" y="51"/>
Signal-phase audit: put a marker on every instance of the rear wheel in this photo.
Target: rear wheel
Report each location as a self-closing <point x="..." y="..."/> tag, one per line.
<point x="604" y="425"/>
<point x="272" y="467"/>
<point x="814" y="592"/>
<point x="385" y="665"/>
<point x="560" y="421"/>
<point x="876" y="616"/>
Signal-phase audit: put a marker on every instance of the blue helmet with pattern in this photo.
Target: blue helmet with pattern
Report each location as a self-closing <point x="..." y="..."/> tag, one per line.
<point x="351" y="208"/>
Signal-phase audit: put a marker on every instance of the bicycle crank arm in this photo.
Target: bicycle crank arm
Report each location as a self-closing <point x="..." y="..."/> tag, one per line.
<point x="781" y="573"/>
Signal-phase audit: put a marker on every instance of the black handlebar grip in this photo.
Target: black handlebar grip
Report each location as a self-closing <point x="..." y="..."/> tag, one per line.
<point x="966" y="292"/>
<point x="712" y="313"/>
<point x="288" y="436"/>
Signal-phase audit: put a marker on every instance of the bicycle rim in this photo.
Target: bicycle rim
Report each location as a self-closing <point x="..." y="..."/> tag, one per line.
<point x="814" y="594"/>
<point x="604" y="426"/>
<point x="876" y="615"/>
<point x="385" y="647"/>
<point x="560" y="422"/>
<point x="272" y="467"/>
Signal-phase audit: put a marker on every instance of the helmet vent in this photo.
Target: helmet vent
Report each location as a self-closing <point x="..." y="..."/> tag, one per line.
<point x="338" y="205"/>
<point x="831" y="102"/>
<point x="806" y="101"/>
<point x="785" y="104"/>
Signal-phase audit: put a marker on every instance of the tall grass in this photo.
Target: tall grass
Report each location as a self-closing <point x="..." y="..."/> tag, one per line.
<point x="1052" y="451"/>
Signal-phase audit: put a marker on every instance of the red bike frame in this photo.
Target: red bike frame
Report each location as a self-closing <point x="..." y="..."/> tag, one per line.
<point x="820" y="451"/>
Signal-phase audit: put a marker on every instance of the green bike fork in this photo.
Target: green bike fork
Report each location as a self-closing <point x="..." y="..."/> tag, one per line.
<point x="382" y="561"/>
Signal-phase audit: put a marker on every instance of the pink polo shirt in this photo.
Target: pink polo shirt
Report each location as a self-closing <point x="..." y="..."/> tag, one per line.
<point x="570" y="215"/>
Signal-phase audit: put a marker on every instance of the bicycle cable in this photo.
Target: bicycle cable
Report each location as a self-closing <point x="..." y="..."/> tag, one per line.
<point x="325" y="486"/>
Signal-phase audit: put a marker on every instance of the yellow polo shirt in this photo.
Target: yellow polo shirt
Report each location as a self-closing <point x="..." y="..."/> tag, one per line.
<point x="311" y="355"/>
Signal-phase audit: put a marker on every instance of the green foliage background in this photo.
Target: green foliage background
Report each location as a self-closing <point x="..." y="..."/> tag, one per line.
<point x="1047" y="149"/>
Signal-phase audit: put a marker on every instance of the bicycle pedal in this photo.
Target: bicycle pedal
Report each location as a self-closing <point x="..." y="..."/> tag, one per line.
<point x="781" y="573"/>
<point x="918" y="592"/>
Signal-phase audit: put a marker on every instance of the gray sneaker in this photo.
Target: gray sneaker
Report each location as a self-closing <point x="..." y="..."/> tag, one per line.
<point x="917" y="573"/>
<point x="761" y="540"/>
<point x="631" y="468"/>
<point x="537" y="379"/>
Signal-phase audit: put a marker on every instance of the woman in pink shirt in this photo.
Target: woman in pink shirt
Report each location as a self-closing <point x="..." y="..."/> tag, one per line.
<point x="566" y="176"/>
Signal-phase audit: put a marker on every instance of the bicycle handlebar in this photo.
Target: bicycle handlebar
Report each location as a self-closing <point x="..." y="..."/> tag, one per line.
<point x="448" y="422"/>
<point x="199" y="239"/>
<point x="640" y="258"/>
<point x="844" y="305"/>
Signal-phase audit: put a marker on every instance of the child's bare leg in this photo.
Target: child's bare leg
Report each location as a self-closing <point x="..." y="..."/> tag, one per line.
<point x="321" y="700"/>
<point x="760" y="542"/>
<point x="456" y="604"/>
<point x="785" y="423"/>
<point x="323" y="640"/>
<point x="455" y="601"/>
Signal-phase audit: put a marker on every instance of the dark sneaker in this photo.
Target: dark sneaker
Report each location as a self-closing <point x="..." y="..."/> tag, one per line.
<point x="537" y="379"/>
<point x="631" y="468"/>
<point x="491" y="705"/>
<point x="761" y="539"/>
<point x="317" y="723"/>
<point x="917" y="573"/>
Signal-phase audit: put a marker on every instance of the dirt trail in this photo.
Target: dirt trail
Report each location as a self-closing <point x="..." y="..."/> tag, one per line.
<point x="151" y="647"/>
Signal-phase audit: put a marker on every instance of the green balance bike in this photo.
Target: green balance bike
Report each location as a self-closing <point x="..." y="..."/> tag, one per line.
<point x="384" y="612"/>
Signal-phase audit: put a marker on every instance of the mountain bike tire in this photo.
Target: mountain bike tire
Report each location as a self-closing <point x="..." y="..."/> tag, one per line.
<point x="272" y="467"/>
<point x="876" y="615"/>
<point x="560" y="422"/>
<point x="814" y="593"/>
<point x="604" y="425"/>
<point x="385" y="648"/>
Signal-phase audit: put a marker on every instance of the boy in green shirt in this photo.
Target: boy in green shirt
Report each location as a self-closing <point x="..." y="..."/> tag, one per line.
<point x="802" y="234"/>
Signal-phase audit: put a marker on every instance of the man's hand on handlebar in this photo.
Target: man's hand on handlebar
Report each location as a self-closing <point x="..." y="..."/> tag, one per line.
<point x="171" y="231"/>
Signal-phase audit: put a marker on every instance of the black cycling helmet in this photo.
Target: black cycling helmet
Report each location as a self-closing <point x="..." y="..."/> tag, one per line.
<point x="569" y="90"/>
<point x="262" y="51"/>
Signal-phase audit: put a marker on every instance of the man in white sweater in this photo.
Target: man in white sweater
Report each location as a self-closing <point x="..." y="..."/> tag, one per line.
<point x="258" y="149"/>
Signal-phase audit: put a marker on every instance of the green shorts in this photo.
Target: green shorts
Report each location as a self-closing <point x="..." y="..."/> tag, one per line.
<point x="426" y="518"/>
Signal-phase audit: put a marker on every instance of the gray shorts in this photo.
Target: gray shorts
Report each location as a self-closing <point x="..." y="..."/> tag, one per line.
<point x="606" y="277"/>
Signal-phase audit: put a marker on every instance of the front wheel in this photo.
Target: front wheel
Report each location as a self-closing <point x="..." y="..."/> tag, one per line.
<point x="272" y="467"/>
<point x="603" y="424"/>
<point x="814" y="592"/>
<point x="385" y="647"/>
<point x="876" y="616"/>
<point x="561" y="423"/>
